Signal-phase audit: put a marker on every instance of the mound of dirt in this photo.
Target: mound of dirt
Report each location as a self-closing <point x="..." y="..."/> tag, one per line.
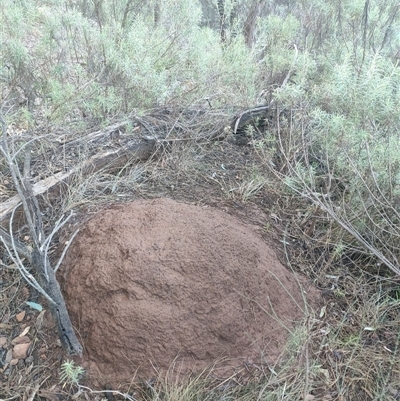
<point x="157" y="282"/>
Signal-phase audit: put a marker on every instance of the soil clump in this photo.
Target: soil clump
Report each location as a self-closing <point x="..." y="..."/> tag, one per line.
<point x="157" y="283"/>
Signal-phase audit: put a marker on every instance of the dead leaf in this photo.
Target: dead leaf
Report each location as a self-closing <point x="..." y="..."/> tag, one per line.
<point x="8" y="356"/>
<point x="309" y="397"/>
<point x="20" y="316"/>
<point x="26" y="330"/>
<point x="322" y="312"/>
<point x="3" y="341"/>
<point x="20" y="351"/>
<point x="25" y="292"/>
<point x="20" y="340"/>
<point x="39" y="319"/>
<point x="13" y="362"/>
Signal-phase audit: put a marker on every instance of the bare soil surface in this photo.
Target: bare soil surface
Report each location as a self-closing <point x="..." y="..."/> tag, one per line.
<point x="157" y="283"/>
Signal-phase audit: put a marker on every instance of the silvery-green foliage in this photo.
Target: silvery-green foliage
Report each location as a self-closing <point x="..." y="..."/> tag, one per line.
<point x="106" y="58"/>
<point x="71" y="373"/>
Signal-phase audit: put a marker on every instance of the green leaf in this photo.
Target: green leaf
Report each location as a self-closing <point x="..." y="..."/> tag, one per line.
<point x="34" y="305"/>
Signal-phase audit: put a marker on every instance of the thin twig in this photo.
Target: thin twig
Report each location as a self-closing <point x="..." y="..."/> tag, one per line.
<point x="65" y="250"/>
<point x="126" y="396"/>
<point x="47" y="242"/>
<point x="16" y="176"/>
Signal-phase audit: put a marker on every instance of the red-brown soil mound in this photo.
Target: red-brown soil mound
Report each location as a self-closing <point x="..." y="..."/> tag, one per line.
<point x="156" y="282"/>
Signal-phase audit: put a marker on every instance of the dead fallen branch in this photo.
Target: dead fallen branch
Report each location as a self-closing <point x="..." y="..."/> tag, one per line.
<point x="110" y="160"/>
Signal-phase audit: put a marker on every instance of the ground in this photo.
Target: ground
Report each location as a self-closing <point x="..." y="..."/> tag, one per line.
<point x="216" y="207"/>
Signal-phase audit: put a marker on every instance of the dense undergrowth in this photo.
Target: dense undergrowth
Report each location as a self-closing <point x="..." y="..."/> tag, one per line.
<point x="330" y="69"/>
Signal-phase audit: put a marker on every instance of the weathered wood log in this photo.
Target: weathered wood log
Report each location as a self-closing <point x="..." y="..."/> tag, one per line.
<point x="110" y="160"/>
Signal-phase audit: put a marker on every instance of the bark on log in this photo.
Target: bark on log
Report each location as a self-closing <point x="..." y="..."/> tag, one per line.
<point x="59" y="311"/>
